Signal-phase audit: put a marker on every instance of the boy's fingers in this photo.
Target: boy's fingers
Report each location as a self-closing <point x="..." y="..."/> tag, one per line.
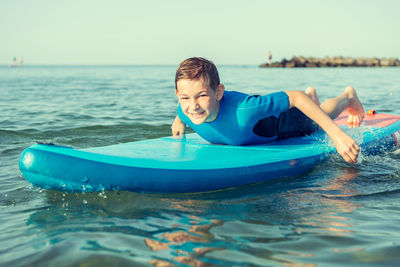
<point x="350" y="158"/>
<point x="350" y="155"/>
<point x="357" y="147"/>
<point x="354" y="148"/>
<point x="347" y="148"/>
<point x="347" y="158"/>
<point x="353" y="158"/>
<point x="353" y="155"/>
<point x="178" y="133"/>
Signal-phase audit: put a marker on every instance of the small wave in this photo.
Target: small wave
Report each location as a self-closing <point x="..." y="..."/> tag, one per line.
<point x="85" y="136"/>
<point x="374" y="196"/>
<point x="144" y="130"/>
<point x="395" y="154"/>
<point x="14" y="133"/>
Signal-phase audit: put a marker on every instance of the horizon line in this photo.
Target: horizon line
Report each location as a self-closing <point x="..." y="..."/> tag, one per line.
<point x="109" y="65"/>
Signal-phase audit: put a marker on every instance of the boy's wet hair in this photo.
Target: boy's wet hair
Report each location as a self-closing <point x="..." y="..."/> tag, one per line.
<point x="196" y="68"/>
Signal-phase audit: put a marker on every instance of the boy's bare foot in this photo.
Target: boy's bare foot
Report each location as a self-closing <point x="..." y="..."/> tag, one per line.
<point x="355" y="108"/>
<point x="311" y="92"/>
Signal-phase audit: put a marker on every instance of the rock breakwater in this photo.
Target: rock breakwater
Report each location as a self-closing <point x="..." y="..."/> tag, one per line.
<point x="312" y="62"/>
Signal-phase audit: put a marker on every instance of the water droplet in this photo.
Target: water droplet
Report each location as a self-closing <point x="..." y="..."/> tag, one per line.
<point x="102" y="194"/>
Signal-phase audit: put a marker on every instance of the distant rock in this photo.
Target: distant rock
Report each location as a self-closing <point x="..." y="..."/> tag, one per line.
<point x="312" y="62"/>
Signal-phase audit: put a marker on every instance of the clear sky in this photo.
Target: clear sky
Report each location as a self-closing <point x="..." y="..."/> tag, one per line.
<point x="168" y="31"/>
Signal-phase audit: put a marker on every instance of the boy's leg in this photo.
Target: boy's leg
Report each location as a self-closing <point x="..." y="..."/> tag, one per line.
<point x="347" y="100"/>
<point x="311" y="92"/>
<point x="294" y="123"/>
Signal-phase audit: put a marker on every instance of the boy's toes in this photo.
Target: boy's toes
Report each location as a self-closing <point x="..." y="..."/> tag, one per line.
<point x="355" y="120"/>
<point x="361" y="117"/>
<point x="350" y="119"/>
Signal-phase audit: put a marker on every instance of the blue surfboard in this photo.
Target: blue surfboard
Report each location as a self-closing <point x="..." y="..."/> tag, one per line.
<point x="191" y="164"/>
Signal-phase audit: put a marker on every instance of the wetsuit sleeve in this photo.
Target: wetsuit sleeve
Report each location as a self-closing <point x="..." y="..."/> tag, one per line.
<point x="254" y="108"/>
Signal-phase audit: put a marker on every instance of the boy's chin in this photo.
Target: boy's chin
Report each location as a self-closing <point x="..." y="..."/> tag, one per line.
<point x="198" y="121"/>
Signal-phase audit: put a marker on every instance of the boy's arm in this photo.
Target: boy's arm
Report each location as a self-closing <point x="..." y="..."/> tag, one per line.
<point x="345" y="145"/>
<point x="178" y="127"/>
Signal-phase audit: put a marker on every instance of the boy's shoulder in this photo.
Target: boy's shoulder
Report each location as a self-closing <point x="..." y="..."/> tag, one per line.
<point x="234" y="93"/>
<point x="236" y="96"/>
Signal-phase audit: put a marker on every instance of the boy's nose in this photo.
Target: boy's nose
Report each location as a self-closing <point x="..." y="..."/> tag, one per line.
<point x="194" y="105"/>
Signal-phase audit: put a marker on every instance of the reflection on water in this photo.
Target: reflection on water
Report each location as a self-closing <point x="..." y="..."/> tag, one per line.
<point x="183" y="244"/>
<point x="333" y="197"/>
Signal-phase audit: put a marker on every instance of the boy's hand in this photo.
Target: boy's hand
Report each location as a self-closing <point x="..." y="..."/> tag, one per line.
<point x="346" y="147"/>
<point x="178" y="127"/>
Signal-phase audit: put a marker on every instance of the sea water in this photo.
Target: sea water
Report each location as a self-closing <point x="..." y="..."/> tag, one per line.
<point x="337" y="214"/>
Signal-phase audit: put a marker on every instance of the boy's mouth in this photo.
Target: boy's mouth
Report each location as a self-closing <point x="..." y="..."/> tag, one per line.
<point x="197" y="114"/>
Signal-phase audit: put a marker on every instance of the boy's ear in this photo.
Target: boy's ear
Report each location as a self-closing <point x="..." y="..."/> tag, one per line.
<point x="176" y="92"/>
<point x="220" y="91"/>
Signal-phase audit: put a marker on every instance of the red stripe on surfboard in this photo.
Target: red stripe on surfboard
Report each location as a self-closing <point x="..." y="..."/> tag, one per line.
<point x="377" y="119"/>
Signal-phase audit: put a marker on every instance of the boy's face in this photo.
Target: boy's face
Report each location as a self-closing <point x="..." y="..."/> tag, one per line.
<point x="198" y="102"/>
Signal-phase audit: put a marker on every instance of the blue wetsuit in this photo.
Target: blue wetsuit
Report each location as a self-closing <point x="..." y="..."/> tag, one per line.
<point x="243" y="119"/>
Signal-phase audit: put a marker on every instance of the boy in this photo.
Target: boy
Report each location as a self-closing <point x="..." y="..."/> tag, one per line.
<point x="228" y="117"/>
